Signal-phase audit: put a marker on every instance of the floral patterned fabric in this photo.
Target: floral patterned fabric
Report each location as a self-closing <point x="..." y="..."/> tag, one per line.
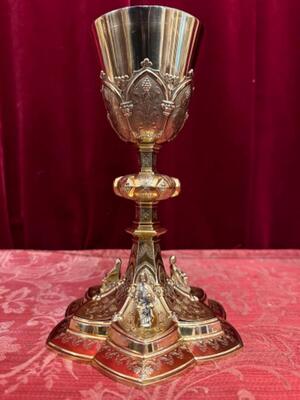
<point x="259" y="290"/>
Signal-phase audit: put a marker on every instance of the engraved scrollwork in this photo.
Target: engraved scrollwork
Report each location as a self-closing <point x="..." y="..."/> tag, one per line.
<point x="227" y="338"/>
<point x="186" y="308"/>
<point x="76" y="341"/>
<point x="146" y="186"/>
<point x="147" y="160"/>
<point x="146" y="250"/>
<point x="145" y="214"/>
<point x="143" y="368"/>
<point x="104" y="307"/>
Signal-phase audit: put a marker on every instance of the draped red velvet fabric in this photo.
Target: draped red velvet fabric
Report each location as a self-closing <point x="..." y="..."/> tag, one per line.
<point x="238" y="156"/>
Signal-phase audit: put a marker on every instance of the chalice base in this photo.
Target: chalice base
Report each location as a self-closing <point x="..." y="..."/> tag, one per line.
<point x="97" y="329"/>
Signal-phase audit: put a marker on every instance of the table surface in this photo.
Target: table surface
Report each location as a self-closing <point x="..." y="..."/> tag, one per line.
<point x="259" y="290"/>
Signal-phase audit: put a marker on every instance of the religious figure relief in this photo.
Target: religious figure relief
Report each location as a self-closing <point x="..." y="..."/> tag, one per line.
<point x="112" y="278"/>
<point x="178" y="277"/>
<point x="144" y="300"/>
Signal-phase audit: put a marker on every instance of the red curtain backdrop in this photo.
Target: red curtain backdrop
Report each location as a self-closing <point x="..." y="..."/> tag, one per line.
<point x="238" y="156"/>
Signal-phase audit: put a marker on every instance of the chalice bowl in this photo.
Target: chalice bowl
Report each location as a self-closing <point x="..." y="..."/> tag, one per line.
<point x="145" y="325"/>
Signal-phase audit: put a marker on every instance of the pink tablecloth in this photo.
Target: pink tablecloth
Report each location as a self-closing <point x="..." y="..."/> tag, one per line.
<point x="259" y="289"/>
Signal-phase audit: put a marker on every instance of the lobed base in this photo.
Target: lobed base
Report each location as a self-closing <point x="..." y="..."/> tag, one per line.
<point x="102" y="328"/>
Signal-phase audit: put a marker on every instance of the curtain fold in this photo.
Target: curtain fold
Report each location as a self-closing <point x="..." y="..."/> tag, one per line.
<point x="237" y="156"/>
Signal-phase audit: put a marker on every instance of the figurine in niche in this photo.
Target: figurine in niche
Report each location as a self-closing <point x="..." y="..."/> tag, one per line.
<point x="144" y="302"/>
<point x="178" y="277"/>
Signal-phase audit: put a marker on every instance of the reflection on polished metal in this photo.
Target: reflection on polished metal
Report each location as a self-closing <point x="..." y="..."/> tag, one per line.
<point x="147" y="325"/>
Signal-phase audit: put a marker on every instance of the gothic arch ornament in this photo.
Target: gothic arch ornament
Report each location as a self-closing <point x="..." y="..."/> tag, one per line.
<point x="148" y="106"/>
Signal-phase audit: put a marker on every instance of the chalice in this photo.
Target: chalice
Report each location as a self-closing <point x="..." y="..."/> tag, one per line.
<point x="145" y="325"/>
